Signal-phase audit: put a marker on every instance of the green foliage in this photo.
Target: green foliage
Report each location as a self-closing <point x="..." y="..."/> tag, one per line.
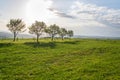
<point x="16" y="26"/>
<point x="70" y="33"/>
<point x="62" y="32"/>
<point x="37" y="28"/>
<point x="52" y="30"/>
<point x="75" y="59"/>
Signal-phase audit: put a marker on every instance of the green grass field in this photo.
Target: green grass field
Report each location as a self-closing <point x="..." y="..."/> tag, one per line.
<point x="75" y="59"/>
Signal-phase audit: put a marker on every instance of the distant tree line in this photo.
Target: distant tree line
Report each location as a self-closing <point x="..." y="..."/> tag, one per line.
<point x="17" y="26"/>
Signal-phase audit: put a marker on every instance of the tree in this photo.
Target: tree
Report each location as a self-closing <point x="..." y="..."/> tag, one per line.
<point x="52" y="30"/>
<point x="70" y="33"/>
<point x="37" y="28"/>
<point x="62" y="32"/>
<point x="16" y="26"/>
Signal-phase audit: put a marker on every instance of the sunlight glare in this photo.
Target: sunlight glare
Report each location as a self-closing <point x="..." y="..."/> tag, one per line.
<point x="38" y="10"/>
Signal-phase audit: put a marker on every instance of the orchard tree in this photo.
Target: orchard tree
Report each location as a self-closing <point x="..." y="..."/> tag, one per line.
<point x="52" y="30"/>
<point x="70" y="33"/>
<point x="37" y="28"/>
<point x="16" y="26"/>
<point x="62" y="32"/>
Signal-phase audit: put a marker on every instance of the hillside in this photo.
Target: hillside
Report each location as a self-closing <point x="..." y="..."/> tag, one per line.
<point x="75" y="59"/>
<point x="10" y="35"/>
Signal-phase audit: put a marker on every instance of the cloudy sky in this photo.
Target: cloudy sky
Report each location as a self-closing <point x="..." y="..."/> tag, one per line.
<point x="84" y="17"/>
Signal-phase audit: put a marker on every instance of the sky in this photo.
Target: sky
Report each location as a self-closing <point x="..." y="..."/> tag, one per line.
<point x="84" y="17"/>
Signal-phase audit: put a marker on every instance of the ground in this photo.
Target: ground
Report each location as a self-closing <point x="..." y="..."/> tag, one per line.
<point x="70" y="59"/>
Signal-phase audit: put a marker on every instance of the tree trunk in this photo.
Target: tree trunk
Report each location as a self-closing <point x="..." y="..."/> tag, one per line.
<point x="62" y="37"/>
<point x="14" y="36"/>
<point x="37" y="38"/>
<point x="52" y="37"/>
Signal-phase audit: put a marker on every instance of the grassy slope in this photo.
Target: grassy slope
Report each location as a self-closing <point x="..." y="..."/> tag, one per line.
<point x="78" y="59"/>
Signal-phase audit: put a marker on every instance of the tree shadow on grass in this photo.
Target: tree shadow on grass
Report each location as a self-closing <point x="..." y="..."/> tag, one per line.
<point x="43" y="44"/>
<point x="6" y="44"/>
<point x="69" y="42"/>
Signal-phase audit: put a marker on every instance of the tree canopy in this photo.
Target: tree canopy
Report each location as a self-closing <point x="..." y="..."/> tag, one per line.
<point x="37" y="28"/>
<point x="62" y="32"/>
<point x="52" y="30"/>
<point x="70" y="33"/>
<point x="16" y="26"/>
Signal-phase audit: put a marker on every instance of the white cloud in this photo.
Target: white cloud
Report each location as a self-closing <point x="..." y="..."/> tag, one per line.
<point x="85" y="19"/>
<point x="90" y="19"/>
<point x="92" y="12"/>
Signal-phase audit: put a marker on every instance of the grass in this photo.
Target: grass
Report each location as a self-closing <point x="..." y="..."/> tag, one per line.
<point x="75" y="59"/>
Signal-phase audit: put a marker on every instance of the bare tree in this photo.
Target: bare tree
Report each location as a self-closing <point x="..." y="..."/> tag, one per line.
<point x="52" y="30"/>
<point x="16" y="26"/>
<point x="37" y="28"/>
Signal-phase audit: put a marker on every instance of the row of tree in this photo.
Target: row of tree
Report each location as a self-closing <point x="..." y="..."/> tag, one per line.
<point x="38" y="28"/>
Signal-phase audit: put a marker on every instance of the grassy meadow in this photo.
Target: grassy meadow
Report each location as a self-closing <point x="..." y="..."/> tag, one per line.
<point x="70" y="59"/>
